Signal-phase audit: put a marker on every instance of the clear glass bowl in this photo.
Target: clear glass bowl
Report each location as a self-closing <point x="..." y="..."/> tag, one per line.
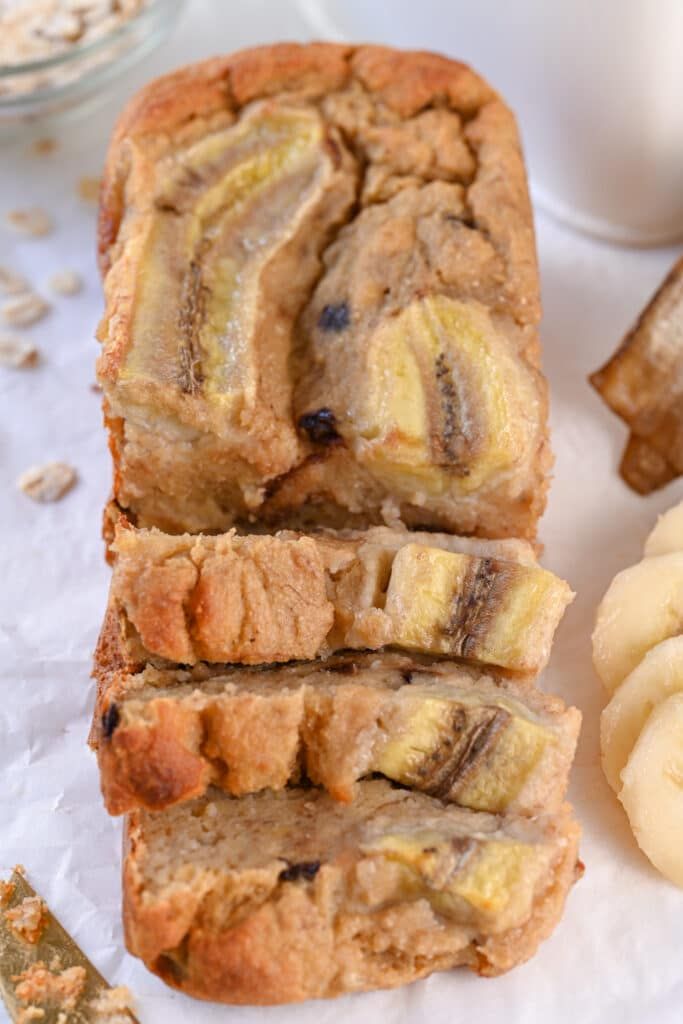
<point x="36" y="89"/>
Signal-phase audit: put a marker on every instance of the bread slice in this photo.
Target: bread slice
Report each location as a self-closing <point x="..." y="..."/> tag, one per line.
<point x="257" y="599"/>
<point x="288" y="896"/>
<point x="481" y="741"/>
<point x="322" y="297"/>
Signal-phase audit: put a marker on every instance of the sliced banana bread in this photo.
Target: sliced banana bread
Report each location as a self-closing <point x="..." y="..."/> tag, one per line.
<point x="287" y="896"/>
<point x="484" y="742"/>
<point x="322" y="297"/>
<point x="257" y="599"/>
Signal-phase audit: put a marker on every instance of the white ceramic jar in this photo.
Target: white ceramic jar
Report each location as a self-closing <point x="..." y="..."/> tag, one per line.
<point x="597" y="86"/>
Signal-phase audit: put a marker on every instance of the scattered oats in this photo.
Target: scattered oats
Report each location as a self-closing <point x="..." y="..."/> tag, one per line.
<point x="32" y="221"/>
<point x="6" y="892"/>
<point x="43" y="147"/>
<point x="89" y="189"/>
<point x="39" y="985"/>
<point x="17" y="353"/>
<point x="49" y="482"/>
<point x="66" y="282"/>
<point x="11" y="283"/>
<point x="28" y="918"/>
<point x="111" y="1006"/>
<point x="24" y="310"/>
<point x="56" y="963"/>
<point x="62" y="1018"/>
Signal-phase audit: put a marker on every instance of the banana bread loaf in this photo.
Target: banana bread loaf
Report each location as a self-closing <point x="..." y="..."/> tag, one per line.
<point x="322" y="298"/>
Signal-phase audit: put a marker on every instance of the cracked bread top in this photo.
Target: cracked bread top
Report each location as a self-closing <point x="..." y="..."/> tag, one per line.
<point x="322" y="297"/>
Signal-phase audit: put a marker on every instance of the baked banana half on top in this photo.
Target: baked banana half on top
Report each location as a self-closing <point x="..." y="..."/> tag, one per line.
<point x="322" y="298"/>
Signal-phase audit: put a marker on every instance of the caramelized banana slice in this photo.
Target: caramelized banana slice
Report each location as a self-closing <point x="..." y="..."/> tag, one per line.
<point x="471" y="751"/>
<point x="203" y="342"/>
<point x="490" y="879"/>
<point x="642" y="383"/>
<point x="446" y="402"/>
<point x="481" y="609"/>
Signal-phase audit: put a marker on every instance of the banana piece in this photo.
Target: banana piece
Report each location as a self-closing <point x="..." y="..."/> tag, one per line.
<point x="652" y="791"/>
<point x="642" y="607"/>
<point x="447" y="404"/>
<point x="481" y="609"/>
<point x="667" y="535"/>
<point x="495" y="877"/>
<point x="658" y="675"/>
<point x="474" y="753"/>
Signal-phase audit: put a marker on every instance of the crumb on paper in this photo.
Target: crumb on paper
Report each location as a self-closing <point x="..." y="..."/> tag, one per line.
<point x="16" y="353"/>
<point x="6" y="892"/>
<point x="12" y="283"/>
<point x="112" y="1005"/>
<point x="34" y="222"/>
<point x="49" y="482"/>
<point x="96" y="388"/>
<point x="28" y="918"/>
<point x="43" y="146"/>
<point x="89" y="189"/>
<point x="24" y="310"/>
<point x="37" y="984"/>
<point x="66" y="282"/>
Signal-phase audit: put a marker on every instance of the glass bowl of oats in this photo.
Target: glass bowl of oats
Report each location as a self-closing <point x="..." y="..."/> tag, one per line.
<point x="57" y="54"/>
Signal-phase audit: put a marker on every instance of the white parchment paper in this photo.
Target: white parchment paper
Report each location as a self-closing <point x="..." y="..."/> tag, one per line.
<point x="616" y="955"/>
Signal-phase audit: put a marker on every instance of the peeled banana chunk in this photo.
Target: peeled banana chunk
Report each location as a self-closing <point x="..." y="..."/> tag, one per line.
<point x="642" y="607"/>
<point x="652" y="790"/>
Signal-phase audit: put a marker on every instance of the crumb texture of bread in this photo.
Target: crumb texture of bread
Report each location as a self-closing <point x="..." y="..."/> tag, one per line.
<point x="258" y="599"/>
<point x="642" y="384"/>
<point x="477" y="740"/>
<point x="322" y="298"/>
<point x="289" y="896"/>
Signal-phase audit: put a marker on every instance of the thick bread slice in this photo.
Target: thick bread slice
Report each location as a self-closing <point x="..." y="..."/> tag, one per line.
<point x="484" y="742"/>
<point x="287" y="896"/>
<point x="322" y="297"/>
<point x="257" y="599"/>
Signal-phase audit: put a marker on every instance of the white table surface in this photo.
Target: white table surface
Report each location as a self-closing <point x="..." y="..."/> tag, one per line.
<point x="616" y="954"/>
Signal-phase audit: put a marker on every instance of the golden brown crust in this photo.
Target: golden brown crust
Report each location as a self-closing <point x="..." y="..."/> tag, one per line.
<point x="214" y="490"/>
<point x="303" y="940"/>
